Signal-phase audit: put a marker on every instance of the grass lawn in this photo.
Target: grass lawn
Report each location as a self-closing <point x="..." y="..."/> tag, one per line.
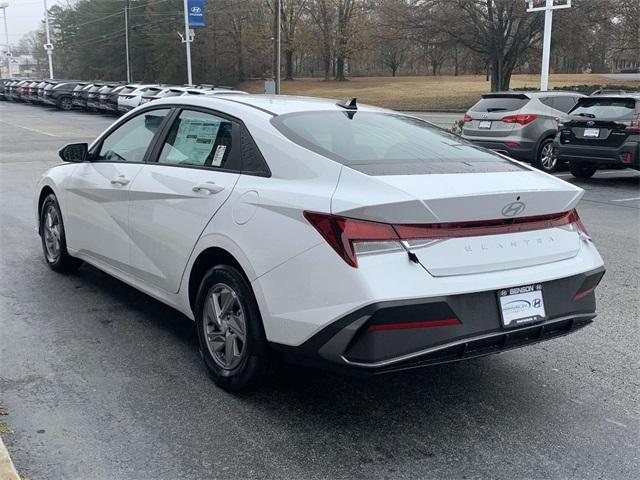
<point x="428" y="93"/>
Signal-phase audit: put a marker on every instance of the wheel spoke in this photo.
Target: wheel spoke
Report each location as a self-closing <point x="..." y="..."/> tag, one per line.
<point x="217" y="341"/>
<point x="209" y="311"/>
<point x="228" y="303"/>
<point x="230" y="348"/>
<point x="236" y="323"/>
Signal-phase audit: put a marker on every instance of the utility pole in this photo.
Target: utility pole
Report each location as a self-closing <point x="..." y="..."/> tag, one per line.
<point x="548" y="8"/>
<point x="126" y="39"/>
<point x="49" y="46"/>
<point x="3" y="7"/>
<point x="279" y="37"/>
<point x="187" y="41"/>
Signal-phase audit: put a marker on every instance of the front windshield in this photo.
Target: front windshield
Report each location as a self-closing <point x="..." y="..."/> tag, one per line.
<point x="386" y="143"/>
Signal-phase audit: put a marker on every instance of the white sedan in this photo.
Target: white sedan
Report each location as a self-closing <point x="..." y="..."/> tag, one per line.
<point x="322" y="231"/>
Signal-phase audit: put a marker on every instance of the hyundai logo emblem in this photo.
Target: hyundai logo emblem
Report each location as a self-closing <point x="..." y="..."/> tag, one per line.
<point x="591" y="123"/>
<point x="196" y="10"/>
<point x="512" y="209"/>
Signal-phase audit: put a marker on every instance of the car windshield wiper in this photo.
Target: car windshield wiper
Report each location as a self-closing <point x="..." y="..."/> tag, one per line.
<point x="588" y="115"/>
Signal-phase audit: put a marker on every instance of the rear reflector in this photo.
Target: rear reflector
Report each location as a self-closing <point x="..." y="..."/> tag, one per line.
<point x="580" y="295"/>
<point x="627" y="158"/>
<point x="447" y="322"/>
<point x="512" y="144"/>
<point x="342" y="233"/>
<point x="467" y="118"/>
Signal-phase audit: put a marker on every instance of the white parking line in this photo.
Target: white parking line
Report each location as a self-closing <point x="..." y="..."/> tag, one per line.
<point x="626" y="199"/>
<point x="30" y="129"/>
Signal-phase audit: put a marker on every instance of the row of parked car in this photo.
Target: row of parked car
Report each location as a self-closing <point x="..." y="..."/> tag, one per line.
<point x="549" y="129"/>
<point x="107" y="97"/>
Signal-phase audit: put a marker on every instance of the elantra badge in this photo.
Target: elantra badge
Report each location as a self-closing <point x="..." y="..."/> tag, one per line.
<point x="512" y="209"/>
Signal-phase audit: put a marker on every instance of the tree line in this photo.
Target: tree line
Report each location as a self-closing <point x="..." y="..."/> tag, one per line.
<point x="334" y="39"/>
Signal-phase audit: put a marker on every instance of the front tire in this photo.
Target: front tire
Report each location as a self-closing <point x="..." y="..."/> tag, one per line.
<point x="545" y="160"/>
<point x="582" y="169"/>
<point x="65" y="103"/>
<point x="232" y="340"/>
<point x="54" y="242"/>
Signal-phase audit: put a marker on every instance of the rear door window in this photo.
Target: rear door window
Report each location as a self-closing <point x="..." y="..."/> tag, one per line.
<point x="564" y="104"/>
<point x="499" y="104"/>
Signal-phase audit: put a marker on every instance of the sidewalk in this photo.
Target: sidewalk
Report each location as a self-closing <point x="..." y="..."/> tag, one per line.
<point x="7" y="470"/>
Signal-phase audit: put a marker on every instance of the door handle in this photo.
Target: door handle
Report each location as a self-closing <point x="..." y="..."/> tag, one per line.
<point x="209" y="187"/>
<point x="120" y="180"/>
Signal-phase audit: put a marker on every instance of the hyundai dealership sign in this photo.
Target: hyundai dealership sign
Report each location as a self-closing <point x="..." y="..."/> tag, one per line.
<point x="196" y="13"/>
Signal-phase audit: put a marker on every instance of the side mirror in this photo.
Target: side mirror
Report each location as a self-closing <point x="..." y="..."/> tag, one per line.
<point x="74" y="152"/>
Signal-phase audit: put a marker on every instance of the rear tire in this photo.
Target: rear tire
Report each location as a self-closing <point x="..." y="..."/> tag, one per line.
<point x="582" y="169"/>
<point x="232" y="340"/>
<point x="65" y="103"/>
<point x="545" y="160"/>
<point x="54" y="242"/>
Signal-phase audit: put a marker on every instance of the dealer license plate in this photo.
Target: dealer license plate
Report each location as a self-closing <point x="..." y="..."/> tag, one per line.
<point x="521" y="305"/>
<point x="592" y="132"/>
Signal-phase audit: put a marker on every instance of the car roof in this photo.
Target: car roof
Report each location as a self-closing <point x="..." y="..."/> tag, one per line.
<point x="534" y="93"/>
<point x="271" y="104"/>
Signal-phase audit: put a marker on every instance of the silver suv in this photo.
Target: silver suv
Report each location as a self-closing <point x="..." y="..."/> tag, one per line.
<point x="520" y="124"/>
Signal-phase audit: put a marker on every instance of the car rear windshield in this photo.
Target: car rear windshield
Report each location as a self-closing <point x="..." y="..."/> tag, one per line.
<point x="599" y="107"/>
<point x="500" y="104"/>
<point x="387" y="143"/>
<point x="126" y="90"/>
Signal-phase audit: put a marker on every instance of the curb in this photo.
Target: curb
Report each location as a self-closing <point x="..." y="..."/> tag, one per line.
<point x="7" y="469"/>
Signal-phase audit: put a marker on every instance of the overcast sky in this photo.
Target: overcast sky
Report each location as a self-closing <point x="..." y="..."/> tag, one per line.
<point x="23" y="16"/>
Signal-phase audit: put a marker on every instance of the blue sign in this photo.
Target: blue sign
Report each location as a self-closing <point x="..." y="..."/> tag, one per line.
<point x="196" y="13"/>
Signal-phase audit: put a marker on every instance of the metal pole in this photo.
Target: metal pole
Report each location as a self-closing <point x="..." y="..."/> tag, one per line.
<point x="49" y="49"/>
<point x="279" y="36"/>
<point x="546" y="46"/>
<point x="187" y="41"/>
<point x="126" y="39"/>
<point x="6" y="36"/>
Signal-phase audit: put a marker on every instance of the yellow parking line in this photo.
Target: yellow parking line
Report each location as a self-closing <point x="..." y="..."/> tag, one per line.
<point x="28" y="128"/>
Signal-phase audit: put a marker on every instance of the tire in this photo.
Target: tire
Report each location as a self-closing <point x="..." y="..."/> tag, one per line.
<point x="582" y="169"/>
<point x="65" y="103"/>
<point x="54" y="243"/>
<point x="233" y="364"/>
<point x="545" y="160"/>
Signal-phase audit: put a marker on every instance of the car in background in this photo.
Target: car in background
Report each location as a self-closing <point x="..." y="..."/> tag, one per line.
<point x="80" y="95"/>
<point x="109" y="99"/>
<point x="521" y="125"/>
<point x="93" y="101"/>
<point x="60" y="95"/>
<point x="20" y="89"/>
<point x="129" y="98"/>
<point x="345" y="235"/>
<point x="40" y="90"/>
<point x="102" y="95"/>
<point x="601" y="131"/>
<point x="165" y="92"/>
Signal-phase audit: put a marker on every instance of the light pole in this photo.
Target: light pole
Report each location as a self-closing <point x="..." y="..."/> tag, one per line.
<point x="279" y="36"/>
<point x="548" y="8"/>
<point x="48" y="46"/>
<point x="187" y="41"/>
<point x="3" y="7"/>
<point x="126" y="39"/>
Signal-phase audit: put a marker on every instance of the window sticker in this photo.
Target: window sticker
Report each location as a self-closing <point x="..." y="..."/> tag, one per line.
<point x="219" y="155"/>
<point x="194" y="141"/>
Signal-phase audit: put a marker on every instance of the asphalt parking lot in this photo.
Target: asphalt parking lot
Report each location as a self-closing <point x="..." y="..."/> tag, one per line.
<point x="100" y="381"/>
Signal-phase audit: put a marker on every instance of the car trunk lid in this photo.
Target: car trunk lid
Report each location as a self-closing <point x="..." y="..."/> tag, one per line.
<point x="457" y="201"/>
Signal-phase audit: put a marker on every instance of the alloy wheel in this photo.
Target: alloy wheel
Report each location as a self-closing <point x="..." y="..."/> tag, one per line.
<point x="225" y="326"/>
<point x="51" y="231"/>
<point x="547" y="159"/>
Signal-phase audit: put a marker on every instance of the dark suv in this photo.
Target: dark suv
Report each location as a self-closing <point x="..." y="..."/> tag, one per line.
<point x="601" y="131"/>
<point x="60" y="94"/>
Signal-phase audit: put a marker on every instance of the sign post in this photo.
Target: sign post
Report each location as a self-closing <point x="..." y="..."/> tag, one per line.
<point x="548" y="8"/>
<point x="3" y="7"/>
<point x="193" y="18"/>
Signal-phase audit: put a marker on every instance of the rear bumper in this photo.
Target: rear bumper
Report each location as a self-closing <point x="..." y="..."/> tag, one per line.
<point x="356" y="343"/>
<point x="524" y="151"/>
<point x="627" y="155"/>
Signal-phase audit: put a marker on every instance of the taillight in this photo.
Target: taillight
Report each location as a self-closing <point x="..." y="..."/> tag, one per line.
<point x="634" y="125"/>
<point x="348" y="236"/>
<point x="522" y="119"/>
<point x="467" y="118"/>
